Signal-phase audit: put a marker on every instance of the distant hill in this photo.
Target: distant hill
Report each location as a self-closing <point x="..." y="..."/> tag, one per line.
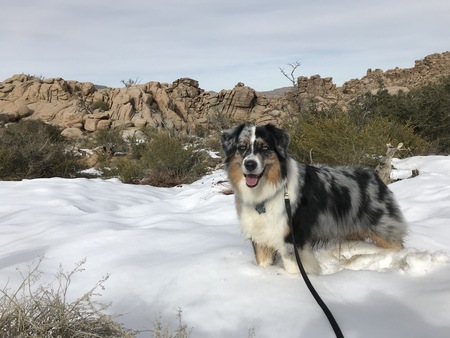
<point x="278" y="92"/>
<point x="100" y="87"/>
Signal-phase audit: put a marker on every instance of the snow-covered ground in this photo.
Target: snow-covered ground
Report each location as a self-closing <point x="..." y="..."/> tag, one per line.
<point x="181" y="248"/>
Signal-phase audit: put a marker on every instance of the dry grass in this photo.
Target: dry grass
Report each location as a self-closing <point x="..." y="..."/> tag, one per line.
<point x="34" y="310"/>
<point x="161" y="330"/>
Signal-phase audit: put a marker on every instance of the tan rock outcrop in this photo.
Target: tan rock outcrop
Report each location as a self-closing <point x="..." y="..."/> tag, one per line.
<point x="184" y="106"/>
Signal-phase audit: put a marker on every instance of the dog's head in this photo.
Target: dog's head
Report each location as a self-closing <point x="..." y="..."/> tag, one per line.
<point x="255" y="151"/>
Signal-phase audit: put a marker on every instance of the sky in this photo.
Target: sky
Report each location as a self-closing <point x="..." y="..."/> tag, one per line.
<point x="181" y="247"/>
<point x="218" y="43"/>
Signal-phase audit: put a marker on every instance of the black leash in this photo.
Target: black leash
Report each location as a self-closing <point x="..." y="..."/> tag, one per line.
<point x="313" y="291"/>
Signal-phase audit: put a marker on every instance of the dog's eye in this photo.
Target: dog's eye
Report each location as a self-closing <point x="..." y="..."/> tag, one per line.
<point x="265" y="148"/>
<point x="242" y="147"/>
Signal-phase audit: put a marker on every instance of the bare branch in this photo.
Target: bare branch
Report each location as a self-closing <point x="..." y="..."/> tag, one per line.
<point x="291" y="76"/>
<point x="130" y="82"/>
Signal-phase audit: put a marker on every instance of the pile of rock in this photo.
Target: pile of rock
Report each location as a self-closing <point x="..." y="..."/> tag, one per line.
<point x="183" y="105"/>
<point x="325" y="93"/>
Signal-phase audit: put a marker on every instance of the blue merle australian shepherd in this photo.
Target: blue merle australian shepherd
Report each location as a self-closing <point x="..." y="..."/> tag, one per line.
<point x="328" y="203"/>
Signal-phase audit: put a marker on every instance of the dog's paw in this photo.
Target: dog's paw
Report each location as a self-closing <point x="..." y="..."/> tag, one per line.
<point x="307" y="258"/>
<point x="312" y="269"/>
<point x="291" y="266"/>
<point x="309" y="261"/>
<point x="265" y="263"/>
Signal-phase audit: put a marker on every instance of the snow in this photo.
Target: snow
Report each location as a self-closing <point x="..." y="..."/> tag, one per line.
<point x="181" y="247"/>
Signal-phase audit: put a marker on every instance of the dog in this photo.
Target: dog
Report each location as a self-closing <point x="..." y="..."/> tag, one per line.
<point x="327" y="203"/>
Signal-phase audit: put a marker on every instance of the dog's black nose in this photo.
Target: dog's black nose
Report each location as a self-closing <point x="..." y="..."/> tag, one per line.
<point x="250" y="165"/>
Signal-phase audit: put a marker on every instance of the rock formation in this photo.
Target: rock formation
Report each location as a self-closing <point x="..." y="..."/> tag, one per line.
<point x="80" y="107"/>
<point x="325" y="93"/>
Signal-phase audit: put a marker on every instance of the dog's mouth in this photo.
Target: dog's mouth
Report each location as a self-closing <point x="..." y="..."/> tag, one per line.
<point x="252" y="180"/>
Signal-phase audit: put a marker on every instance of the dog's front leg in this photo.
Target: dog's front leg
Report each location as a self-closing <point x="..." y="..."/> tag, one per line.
<point x="309" y="261"/>
<point x="264" y="255"/>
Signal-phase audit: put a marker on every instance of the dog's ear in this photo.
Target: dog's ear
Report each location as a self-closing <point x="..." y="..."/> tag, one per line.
<point x="229" y="137"/>
<point x="281" y="139"/>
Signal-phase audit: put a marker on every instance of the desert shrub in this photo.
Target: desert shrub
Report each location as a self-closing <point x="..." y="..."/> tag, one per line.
<point x="430" y="112"/>
<point x="139" y="143"/>
<point x="110" y="141"/>
<point x="156" y="158"/>
<point x="129" y="170"/>
<point x="101" y="105"/>
<point x="171" y="161"/>
<point x="337" y="140"/>
<point x="44" y="310"/>
<point x="425" y="109"/>
<point x="31" y="149"/>
<point x="107" y="143"/>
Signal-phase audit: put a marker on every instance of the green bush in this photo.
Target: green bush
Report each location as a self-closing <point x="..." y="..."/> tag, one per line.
<point x="170" y="161"/>
<point x="110" y="141"/>
<point x="338" y="140"/>
<point x="157" y="158"/>
<point x="426" y="109"/>
<point x="129" y="170"/>
<point x="32" y="149"/>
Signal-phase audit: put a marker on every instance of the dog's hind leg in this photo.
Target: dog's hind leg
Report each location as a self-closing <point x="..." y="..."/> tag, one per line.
<point x="386" y="244"/>
<point x="264" y="254"/>
<point x="389" y="234"/>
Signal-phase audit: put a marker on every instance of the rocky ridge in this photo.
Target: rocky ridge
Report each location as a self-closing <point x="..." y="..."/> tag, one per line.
<point x="183" y="105"/>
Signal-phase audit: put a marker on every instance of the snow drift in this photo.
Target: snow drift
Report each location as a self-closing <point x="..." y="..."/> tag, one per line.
<point x="167" y="248"/>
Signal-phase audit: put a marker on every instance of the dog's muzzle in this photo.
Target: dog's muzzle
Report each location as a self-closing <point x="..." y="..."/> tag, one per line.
<point x="251" y="178"/>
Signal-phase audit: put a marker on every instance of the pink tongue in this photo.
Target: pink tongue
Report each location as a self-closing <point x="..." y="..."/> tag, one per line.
<point x="251" y="180"/>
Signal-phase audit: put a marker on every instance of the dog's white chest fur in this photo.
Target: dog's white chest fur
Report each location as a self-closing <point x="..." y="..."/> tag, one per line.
<point x="268" y="226"/>
<point x="271" y="226"/>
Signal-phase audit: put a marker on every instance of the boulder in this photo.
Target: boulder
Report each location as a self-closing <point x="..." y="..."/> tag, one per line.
<point x="73" y="134"/>
<point x="103" y="124"/>
<point x="243" y="96"/>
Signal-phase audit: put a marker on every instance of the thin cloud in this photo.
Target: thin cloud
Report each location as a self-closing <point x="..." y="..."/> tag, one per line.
<point x="217" y="43"/>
